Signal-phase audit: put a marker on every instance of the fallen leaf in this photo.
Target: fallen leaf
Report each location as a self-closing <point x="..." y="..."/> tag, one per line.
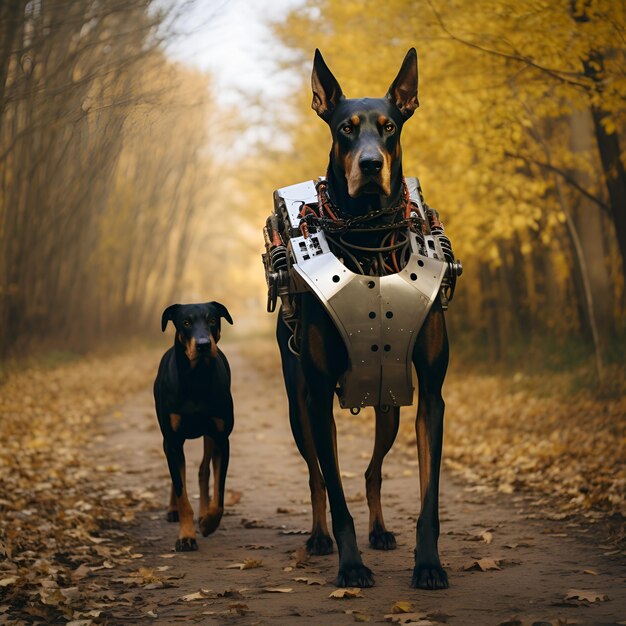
<point x="347" y="592"/>
<point x="590" y="571"/>
<point x="277" y="589"/>
<point x="247" y="564"/>
<point x="310" y="581"/>
<point x="9" y="580"/>
<point x="198" y="595"/>
<point x="232" y="498"/>
<point x="483" y="565"/>
<point x="586" y="595"/>
<point x="358" y="616"/>
<point x="401" y="607"/>
<point x="253" y="523"/>
<point x="238" y="607"/>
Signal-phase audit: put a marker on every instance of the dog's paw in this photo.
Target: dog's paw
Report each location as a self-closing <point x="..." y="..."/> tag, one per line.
<point x="429" y="577"/>
<point x="319" y="544"/>
<point x="382" y="540"/>
<point x="355" y="576"/>
<point x="172" y="516"/>
<point x="209" y="523"/>
<point x="186" y="544"/>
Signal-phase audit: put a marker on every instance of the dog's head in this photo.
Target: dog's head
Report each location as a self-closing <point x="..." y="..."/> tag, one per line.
<point x="366" y="131"/>
<point x="198" y="327"/>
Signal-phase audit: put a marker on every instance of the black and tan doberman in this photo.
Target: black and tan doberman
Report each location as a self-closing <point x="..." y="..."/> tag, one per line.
<point x="192" y="397"/>
<point x="364" y="174"/>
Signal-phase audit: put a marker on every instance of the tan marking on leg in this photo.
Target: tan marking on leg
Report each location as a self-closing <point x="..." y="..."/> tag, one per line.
<point x="175" y="420"/>
<point x="384" y="438"/>
<point x="185" y="512"/>
<point x="423" y="450"/>
<point x="220" y="424"/>
<point x="173" y="505"/>
<point x="211" y="520"/>
<point x="316" y="481"/>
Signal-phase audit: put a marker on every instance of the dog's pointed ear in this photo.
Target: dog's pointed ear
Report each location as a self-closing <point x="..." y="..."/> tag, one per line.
<point x="222" y="311"/>
<point x="168" y="315"/>
<point x="403" y="90"/>
<point x="326" y="90"/>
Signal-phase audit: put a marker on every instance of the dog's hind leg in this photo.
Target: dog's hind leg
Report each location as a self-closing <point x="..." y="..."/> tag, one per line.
<point x="431" y="361"/>
<point x="220" y="458"/>
<point x="176" y="462"/>
<point x="386" y="430"/>
<point x="319" y="542"/>
<point x="204" y="474"/>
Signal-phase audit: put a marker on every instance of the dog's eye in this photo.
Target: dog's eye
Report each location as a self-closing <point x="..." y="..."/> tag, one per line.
<point x="186" y="323"/>
<point x="389" y="128"/>
<point x="212" y="321"/>
<point x="346" y="129"/>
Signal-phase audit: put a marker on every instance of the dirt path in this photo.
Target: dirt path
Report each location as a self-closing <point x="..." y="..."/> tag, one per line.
<point x="539" y="560"/>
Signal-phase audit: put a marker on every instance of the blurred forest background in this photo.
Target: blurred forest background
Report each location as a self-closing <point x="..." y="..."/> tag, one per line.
<point x="126" y="185"/>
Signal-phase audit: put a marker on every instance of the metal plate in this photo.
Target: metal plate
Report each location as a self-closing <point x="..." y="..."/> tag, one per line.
<point x="379" y="319"/>
<point x="295" y="196"/>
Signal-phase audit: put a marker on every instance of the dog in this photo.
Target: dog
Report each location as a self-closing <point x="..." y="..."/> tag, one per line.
<point x="192" y="398"/>
<point x="364" y="175"/>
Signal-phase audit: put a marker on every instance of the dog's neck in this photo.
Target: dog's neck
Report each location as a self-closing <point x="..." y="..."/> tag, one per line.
<point x="366" y="202"/>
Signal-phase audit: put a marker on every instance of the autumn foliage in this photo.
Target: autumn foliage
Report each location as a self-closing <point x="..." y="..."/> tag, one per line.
<point x="518" y="143"/>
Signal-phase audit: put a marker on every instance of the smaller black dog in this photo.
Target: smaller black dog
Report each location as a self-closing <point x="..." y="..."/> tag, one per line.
<point x="192" y="397"/>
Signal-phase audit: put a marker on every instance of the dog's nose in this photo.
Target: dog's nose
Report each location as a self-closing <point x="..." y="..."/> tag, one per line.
<point x="371" y="165"/>
<point x="203" y="344"/>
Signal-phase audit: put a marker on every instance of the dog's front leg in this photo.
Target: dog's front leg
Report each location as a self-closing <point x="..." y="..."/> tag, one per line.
<point x="220" y="457"/>
<point x="352" y="572"/>
<point x="431" y="361"/>
<point x="387" y="424"/>
<point x="204" y="475"/>
<point x="186" y="541"/>
<point x="320" y="362"/>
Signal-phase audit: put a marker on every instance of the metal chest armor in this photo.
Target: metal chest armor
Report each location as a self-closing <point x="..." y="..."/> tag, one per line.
<point x="378" y="317"/>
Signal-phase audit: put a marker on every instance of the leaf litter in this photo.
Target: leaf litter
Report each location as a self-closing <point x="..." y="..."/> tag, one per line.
<point x="47" y="560"/>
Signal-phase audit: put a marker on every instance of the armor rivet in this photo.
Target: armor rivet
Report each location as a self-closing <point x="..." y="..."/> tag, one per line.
<point x="413" y="276"/>
<point x="420" y="263"/>
<point x="335" y="278"/>
<point x="389" y="315"/>
<point x="374" y="348"/>
<point x="371" y="284"/>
